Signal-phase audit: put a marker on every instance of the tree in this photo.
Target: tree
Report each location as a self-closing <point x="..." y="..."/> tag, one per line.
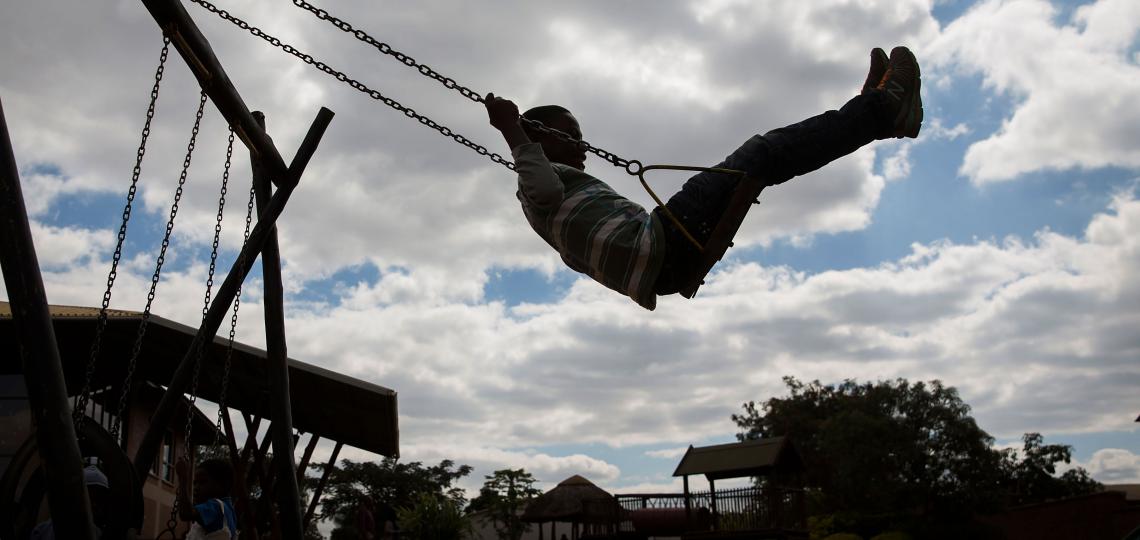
<point x="503" y="496"/>
<point x="390" y="485"/>
<point x="433" y="516"/>
<point x="892" y="453"/>
<point x="1032" y="478"/>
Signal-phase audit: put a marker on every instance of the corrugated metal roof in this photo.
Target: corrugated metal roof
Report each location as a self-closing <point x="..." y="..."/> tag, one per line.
<point x="740" y="459"/>
<point x="78" y="312"/>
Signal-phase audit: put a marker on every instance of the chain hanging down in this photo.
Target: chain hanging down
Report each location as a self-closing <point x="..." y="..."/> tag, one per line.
<point x="233" y="329"/>
<point x="81" y="399"/>
<point x="145" y="319"/>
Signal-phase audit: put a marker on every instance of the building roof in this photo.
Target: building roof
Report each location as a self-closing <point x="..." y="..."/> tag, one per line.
<point x="331" y="405"/>
<point x="1131" y="491"/>
<point x="737" y="460"/>
<point x="570" y="501"/>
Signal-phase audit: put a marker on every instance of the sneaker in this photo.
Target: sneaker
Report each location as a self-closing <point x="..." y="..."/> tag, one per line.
<point x="879" y="62"/>
<point x="902" y="84"/>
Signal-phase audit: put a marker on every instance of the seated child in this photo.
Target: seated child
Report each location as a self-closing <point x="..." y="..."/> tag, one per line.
<point x="642" y="254"/>
<point x="212" y="515"/>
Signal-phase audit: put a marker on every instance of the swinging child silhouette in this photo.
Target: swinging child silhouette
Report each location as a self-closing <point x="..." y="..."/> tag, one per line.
<point x="643" y="255"/>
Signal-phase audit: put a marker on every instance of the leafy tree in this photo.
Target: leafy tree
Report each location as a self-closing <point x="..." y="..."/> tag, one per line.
<point x="893" y="453"/>
<point x="1033" y="476"/>
<point x="390" y="484"/>
<point x="433" y="516"/>
<point x="503" y="496"/>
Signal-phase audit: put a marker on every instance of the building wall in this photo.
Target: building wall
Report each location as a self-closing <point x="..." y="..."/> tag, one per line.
<point x="15" y="417"/>
<point x="158" y="488"/>
<point x="1107" y="515"/>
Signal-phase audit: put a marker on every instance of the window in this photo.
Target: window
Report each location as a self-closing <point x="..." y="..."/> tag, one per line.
<point x="164" y="465"/>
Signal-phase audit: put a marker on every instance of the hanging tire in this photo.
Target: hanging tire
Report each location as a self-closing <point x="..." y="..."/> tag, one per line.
<point x="23" y="489"/>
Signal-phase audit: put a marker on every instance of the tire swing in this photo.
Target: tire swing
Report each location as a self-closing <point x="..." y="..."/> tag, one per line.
<point x="23" y="490"/>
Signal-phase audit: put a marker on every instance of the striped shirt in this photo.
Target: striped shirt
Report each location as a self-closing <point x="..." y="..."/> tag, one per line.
<point x="596" y="231"/>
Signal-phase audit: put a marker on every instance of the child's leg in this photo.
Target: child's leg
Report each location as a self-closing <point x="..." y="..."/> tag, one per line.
<point x="775" y="157"/>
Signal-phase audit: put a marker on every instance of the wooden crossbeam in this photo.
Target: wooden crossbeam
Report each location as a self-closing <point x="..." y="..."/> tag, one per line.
<point x="177" y="25"/>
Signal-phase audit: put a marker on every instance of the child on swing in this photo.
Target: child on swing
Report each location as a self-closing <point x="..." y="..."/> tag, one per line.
<point x="212" y="515"/>
<point x="639" y="254"/>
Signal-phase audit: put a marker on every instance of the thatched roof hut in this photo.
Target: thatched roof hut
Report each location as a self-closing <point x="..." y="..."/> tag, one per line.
<point x="574" y="500"/>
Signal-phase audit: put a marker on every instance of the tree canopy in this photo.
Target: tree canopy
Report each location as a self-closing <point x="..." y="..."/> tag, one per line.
<point x="503" y="497"/>
<point x="900" y="452"/>
<point x="390" y="485"/>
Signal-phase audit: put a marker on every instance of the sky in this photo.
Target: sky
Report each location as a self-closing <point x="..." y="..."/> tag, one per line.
<point x="997" y="252"/>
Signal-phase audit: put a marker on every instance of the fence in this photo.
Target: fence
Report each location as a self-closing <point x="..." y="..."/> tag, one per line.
<point x="738" y="509"/>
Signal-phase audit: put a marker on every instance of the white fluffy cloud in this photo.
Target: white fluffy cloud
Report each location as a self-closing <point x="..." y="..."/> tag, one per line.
<point x="479" y="380"/>
<point x="1074" y="83"/>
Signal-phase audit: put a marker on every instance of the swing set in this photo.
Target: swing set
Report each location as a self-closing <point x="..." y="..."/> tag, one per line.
<point x="65" y="434"/>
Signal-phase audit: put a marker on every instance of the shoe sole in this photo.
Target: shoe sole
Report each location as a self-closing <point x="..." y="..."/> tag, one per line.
<point x="911" y="114"/>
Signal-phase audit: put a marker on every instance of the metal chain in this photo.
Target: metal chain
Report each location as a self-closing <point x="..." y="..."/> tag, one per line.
<point x="632" y="167"/>
<point x="200" y="353"/>
<point x="374" y="94"/>
<point x="81" y="399"/>
<point x="233" y="326"/>
<point x="388" y="50"/>
<point x="133" y="362"/>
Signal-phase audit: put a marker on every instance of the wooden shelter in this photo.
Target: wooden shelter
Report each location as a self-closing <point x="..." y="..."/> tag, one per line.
<point x="588" y="508"/>
<point x="325" y="404"/>
<point x="774" y="459"/>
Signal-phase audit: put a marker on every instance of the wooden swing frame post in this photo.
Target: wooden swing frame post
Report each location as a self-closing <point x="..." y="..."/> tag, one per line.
<point x="39" y="354"/>
<point x="289" y="496"/>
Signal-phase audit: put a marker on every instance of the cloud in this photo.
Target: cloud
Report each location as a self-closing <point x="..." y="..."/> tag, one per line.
<point x="667" y="453"/>
<point x="483" y="381"/>
<point x="1109" y="466"/>
<point x="1072" y="83"/>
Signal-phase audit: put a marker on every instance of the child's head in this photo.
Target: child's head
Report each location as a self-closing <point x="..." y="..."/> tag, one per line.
<point x="557" y="150"/>
<point x="213" y="479"/>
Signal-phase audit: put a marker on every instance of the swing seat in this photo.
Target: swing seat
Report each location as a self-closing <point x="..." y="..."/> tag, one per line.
<point x="745" y="195"/>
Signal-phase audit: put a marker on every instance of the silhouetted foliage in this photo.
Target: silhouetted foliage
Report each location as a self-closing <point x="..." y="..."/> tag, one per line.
<point x="897" y="454"/>
<point x="434" y="517"/>
<point x="504" y="496"/>
<point x="391" y="485"/>
<point x="1032" y="478"/>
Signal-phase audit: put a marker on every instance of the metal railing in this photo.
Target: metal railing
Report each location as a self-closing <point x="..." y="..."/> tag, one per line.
<point x="736" y="509"/>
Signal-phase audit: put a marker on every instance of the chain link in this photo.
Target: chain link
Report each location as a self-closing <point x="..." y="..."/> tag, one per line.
<point x="145" y="319"/>
<point x="632" y="167"/>
<point x="82" y="398"/>
<point x="384" y="48"/>
<point x="357" y="85"/>
<point x="233" y="327"/>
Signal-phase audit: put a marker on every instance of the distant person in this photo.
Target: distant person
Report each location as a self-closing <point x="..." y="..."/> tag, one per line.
<point x="98" y="491"/>
<point x="365" y="519"/>
<point x="642" y="255"/>
<point x="211" y="516"/>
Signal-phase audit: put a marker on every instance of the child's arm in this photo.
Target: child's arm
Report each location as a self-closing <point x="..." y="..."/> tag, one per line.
<point x="504" y="116"/>
<point x="537" y="180"/>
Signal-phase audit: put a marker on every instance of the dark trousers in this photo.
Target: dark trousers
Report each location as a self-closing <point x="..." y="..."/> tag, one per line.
<point x="775" y="158"/>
